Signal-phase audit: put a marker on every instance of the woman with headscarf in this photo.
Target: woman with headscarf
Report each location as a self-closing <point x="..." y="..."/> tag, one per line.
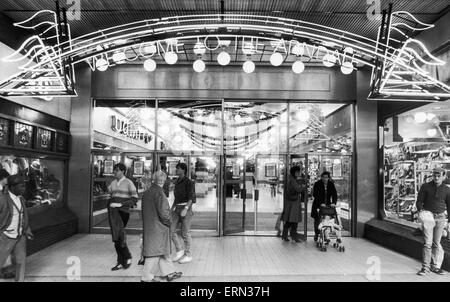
<point x="292" y="208"/>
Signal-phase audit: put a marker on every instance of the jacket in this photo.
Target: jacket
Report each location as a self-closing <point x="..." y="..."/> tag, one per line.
<point x="6" y="213"/>
<point x="319" y="196"/>
<point x="292" y="208"/>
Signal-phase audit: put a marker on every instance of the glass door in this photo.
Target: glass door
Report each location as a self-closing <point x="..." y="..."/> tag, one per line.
<point x="235" y="196"/>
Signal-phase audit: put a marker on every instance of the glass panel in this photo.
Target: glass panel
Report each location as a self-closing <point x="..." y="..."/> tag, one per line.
<point x="414" y="143"/>
<point x="190" y="126"/>
<point x="44" y="179"/>
<point x="320" y="128"/>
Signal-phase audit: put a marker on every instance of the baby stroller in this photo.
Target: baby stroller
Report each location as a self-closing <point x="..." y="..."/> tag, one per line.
<point x="330" y="228"/>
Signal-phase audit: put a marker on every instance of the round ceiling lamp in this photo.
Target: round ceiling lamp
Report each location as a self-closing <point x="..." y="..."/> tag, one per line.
<point x="101" y="64"/>
<point x="303" y="115"/>
<point x="171" y="57"/>
<point x="223" y="58"/>
<point x="276" y="59"/>
<point x="347" y="68"/>
<point x="430" y="116"/>
<point x="119" y="57"/>
<point x="199" y="48"/>
<point x="329" y="60"/>
<point x="298" y="67"/>
<point x="420" y="117"/>
<point x="238" y="118"/>
<point x="199" y="65"/>
<point x="431" y="132"/>
<point x="149" y="49"/>
<point x="298" y="50"/>
<point x="149" y="65"/>
<point x="248" y="66"/>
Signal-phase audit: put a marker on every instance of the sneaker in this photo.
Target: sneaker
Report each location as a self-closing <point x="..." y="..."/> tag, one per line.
<point x="285" y="239"/>
<point x="185" y="259"/>
<point x="179" y="255"/>
<point x="423" y="272"/>
<point x="438" y="271"/>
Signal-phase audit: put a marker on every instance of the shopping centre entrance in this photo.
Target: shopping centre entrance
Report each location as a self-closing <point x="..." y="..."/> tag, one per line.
<point x="238" y="155"/>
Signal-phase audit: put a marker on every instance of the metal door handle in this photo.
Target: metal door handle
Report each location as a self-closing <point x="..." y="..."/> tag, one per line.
<point x="256" y="195"/>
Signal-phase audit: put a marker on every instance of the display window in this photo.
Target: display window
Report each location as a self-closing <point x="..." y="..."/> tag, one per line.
<point x="44" y="178"/>
<point x="415" y="142"/>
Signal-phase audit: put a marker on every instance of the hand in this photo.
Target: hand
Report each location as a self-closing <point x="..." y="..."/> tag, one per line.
<point x="323" y="205"/>
<point x="30" y="236"/>
<point x="333" y="205"/>
<point x="183" y="212"/>
<point x="115" y="205"/>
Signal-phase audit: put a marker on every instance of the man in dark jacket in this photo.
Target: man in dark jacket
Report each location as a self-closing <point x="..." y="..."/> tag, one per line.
<point x="14" y="228"/>
<point x="432" y="202"/>
<point x="325" y="194"/>
<point x="156" y="218"/>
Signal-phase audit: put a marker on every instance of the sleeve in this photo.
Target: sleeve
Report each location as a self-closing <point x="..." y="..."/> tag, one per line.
<point x="294" y="187"/>
<point x="447" y="201"/>
<point x="421" y="198"/>
<point x="190" y="190"/>
<point x="320" y="225"/>
<point x="163" y="209"/>
<point x="315" y="191"/>
<point x="134" y="196"/>
<point x="334" y="194"/>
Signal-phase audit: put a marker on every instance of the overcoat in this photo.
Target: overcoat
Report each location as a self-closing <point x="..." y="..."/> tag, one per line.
<point x="319" y="196"/>
<point x="156" y="219"/>
<point x="292" y="207"/>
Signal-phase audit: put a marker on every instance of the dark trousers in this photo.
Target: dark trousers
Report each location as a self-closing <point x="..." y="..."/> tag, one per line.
<point x="18" y="250"/>
<point x="290" y="226"/>
<point x="123" y="253"/>
<point x="316" y="226"/>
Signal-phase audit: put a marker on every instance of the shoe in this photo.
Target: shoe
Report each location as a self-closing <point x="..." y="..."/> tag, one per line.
<point x="285" y="239"/>
<point x="174" y="276"/>
<point x="316" y="237"/>
<point x="298" y="240"/>
<point x="7" y="275"/>
<point x="179" y="255"/>
<point x="338" y="240"/>
<point x="185" y="259"/>
<point x="423" y="272"/>
<point x="117" y="267"/>
<point x="153" y="280"/>
<point x="438" y="271"/>
<point x="279" y="234"/>
<point x="128" y="264"/>
<point x="141" y="261"/>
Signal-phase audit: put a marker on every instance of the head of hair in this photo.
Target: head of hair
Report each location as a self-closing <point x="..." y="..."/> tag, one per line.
<point x="326" y="173"/>
<point x="121" y="167"/>
<point x="15" y="180"/>
<point x="183" y="167"/>
<point x="4" y="174"/>
<point x="294" y="169"/>
<point x="159" y="176"/>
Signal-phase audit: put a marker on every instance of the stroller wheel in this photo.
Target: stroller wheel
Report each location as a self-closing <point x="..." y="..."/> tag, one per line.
<point x="335" y="245"/>
<point x="324" y="249"/>
<point x="343" y="249"/>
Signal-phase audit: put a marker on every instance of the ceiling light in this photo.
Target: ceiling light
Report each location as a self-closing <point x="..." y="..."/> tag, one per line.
<point x="248" y="48"/>
<point x="347" y="68"/>
<point x="171" y="57"/>
<point x="276" y="59"/>
<point x="348" y="49"/>
<point x="199" y="48"/>
<point x="431" y="132"/>
<point x="199" y="65"/>
<point x="298" y="50"/>
<point x="420" y="117"/>
<point x="223" y="58"/>
<point x="248" y="66"/>
<point x="303" y="115"/>
<point x="298" y="67"/>
<point x="149" y="65"/>
<point x="329" y="60"/>
<point x="101" y="64"/>
<point x="119" y="57"/>
<point x="263" y="116"/>
<point x="149" y="49"/>
<point x="430" y="116"/>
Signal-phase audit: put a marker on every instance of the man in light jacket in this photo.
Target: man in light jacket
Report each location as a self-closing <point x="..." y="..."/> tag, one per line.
<point x="156" y="218"/>
<point x="14" y="228"/>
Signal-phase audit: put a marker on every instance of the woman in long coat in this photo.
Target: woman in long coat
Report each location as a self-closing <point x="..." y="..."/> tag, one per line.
<point x="156" y="218"/>
<point x="325" y="194"/>
<point x="292" y="208"/>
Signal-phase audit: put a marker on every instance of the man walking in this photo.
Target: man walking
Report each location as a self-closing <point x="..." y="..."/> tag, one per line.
<point x="432" y="202"/>
<point x="182" y="212"/>
<point x="123" y="196"/>
<point x="156" y="219"/>
<point x="14" y="228"/>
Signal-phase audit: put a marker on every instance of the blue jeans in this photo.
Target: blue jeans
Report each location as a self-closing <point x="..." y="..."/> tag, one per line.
<point x="433" y="226"/>
<point x="185" y="230"/>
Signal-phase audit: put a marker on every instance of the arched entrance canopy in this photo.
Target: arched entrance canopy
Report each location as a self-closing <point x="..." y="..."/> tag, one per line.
<point x="398" y="65"/>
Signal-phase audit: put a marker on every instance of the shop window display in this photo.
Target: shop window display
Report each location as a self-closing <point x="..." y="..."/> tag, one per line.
<point x="44" y="178"/>
<point x="415" y="142"/>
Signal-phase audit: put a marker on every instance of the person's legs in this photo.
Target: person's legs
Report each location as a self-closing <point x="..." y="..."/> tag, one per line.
<point x="20" y="256"/>
<point x="316" y="228"/>
<point x="173" y="231"/>
<point x="6" y="248"/>
<point x="428" y="228"/>
<point x="186" y="231"/>
<point x="166" y="266"/>
<point x="326" y="233"/>
<point x="437" y="253"/>
<point x="293" y="228"/>
<point x="123" y="237"/>
<point x="286" y="227"/>
<point x="150" y="268"/>
<point x="117" y="246"/>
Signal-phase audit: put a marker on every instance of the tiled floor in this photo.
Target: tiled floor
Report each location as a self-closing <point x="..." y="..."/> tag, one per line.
<point x="233" y="258"/>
